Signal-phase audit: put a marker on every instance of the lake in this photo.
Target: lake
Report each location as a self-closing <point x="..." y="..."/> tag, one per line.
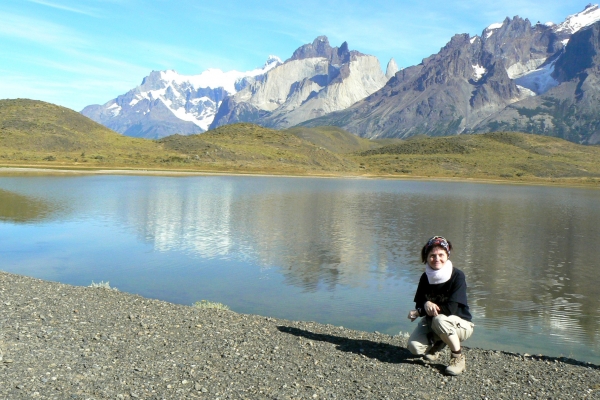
<point x="336" y="251"/>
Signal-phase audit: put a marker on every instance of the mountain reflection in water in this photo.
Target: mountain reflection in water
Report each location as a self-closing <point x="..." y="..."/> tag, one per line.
<point x="22" y="209"/>
<point x="340" y="251"/>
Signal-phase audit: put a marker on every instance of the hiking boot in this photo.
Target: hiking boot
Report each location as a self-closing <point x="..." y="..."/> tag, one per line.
<point x="434" y="351"/>
<point x="457" y="365"/>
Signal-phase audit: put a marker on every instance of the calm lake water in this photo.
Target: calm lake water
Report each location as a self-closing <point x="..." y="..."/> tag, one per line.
<point x="337" y="251"/>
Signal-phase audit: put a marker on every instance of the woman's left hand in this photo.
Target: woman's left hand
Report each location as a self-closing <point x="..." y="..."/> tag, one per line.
<point x="432" y="309"/>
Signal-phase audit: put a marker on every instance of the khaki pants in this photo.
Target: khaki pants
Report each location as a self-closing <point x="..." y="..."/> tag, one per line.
<point x="418" y="342"/>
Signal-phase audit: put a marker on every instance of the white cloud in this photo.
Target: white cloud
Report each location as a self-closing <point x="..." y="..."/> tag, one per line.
<point x="39" y="31"/>
<point x="64" y="8"/>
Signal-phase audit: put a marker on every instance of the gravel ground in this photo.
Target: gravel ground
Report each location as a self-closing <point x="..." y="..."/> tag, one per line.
<point x="67" y="342"/>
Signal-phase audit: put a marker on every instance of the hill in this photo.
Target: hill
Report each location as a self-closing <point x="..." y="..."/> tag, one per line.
<point x="251" y="148"/>
<point x="42" y="134"/>
<point x="498" y="155"/>
<point x="34" y="133"/>
<point x="334" y="139"/>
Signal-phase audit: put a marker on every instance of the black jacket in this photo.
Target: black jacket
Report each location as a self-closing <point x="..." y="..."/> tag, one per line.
<point x="450" y="296"/>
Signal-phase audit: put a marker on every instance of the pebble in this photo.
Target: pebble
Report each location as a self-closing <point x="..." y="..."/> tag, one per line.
<point x="133" y="347"/>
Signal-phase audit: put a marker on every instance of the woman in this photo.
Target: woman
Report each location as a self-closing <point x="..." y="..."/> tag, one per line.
<point x="441" y="300"/>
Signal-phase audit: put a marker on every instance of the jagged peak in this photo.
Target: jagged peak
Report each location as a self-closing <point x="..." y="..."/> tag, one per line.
<point x="320" y="47"/>
<point x="516" y="23"/>
<point x="580" y="20"/>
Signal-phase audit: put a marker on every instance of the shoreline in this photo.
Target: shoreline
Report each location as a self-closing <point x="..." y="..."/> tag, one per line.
<point x="60" y="341"/>
<point x="177" y="173"/>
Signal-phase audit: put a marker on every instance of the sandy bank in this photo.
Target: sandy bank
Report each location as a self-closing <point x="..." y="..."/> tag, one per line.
<point x="14" y="170"/>
<point x="66" y="342"/>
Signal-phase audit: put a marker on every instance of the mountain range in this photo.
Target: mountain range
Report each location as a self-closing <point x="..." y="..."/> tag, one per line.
<point x="316" y="80"/>
<point x="517" y="76"/>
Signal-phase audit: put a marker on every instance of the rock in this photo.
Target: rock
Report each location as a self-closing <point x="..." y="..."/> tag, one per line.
<point x="310" y="359"/>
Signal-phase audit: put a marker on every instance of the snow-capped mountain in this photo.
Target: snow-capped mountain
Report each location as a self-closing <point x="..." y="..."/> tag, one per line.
<point x="542" y="78"/>
<point x="167" y="102"/>
<point x="316" y="80"/>
<point x="576" y="22"/>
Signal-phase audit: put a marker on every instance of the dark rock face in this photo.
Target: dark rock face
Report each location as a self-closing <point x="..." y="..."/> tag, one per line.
<point x="238" y="112"/>
<point x="569" y="110"/>
<point x="580" y="55"/>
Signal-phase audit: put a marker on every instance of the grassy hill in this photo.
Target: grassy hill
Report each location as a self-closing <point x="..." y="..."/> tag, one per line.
<point x="498" y="155"/>
<point x="252" y="148"/>
<point x="334" y="139"/>
<point x="35" y="133"/>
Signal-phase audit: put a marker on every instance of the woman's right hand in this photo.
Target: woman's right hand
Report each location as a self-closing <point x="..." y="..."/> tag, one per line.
<point x="412" y="315"/>
<point x="432" y="309"/>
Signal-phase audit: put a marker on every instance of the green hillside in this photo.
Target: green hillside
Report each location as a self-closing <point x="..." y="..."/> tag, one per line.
<point x="249" y="147"/>
<point x="334" y="139"/>
<point x="499" y="155"/>
<point x="34" y="133"/>
<point x="37" y="132"/>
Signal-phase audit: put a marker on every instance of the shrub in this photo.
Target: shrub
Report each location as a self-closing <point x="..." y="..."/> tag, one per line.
<point x="102" y="284"/>
<point x="210" y="304"/>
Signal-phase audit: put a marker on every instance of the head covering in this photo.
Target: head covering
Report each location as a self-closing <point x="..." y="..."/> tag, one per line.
<point x="437" y="241"/>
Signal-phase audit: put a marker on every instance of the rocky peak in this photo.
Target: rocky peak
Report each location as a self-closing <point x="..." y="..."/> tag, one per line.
<point x="153" y="81"/>
<point x="391" y="69"/>
<point x="320" y="47"/>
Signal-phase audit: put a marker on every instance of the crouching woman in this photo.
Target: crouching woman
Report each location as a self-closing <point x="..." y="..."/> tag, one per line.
<point x="441" y="301"/>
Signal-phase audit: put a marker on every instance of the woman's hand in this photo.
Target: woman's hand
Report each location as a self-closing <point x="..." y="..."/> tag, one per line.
<point x="432" y="309"/>
<point x="412" y="315"/>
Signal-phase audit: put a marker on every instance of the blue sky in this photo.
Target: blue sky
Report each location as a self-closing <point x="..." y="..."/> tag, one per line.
<point x="80" y="52"/>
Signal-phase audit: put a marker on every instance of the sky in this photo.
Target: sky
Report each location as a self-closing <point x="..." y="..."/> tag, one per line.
<point x="80" y="52"/>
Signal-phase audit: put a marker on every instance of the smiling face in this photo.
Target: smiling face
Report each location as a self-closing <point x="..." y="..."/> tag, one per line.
<point x="437" y="257"/>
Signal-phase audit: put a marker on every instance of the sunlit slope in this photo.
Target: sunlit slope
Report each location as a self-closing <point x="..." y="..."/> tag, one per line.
<point x="39" y="126"/>
<point x="334" y="139"/>
<point x="252" y="147"/>
<point x="499" y="155"/>
<point x="32" y="131"/>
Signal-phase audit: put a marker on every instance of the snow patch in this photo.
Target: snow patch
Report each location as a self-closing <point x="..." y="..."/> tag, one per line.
<point x="478" y="71"/>
<point x="578" y="21"/>
<point x="489" y="31"/>
<point x="473" y="39"/>
<point x="565" y="41"/>
<point x="525" y="91"/>
<point x="134" y="101"/>
<point x="539" y="80"/>
<point x="115" y="109"/>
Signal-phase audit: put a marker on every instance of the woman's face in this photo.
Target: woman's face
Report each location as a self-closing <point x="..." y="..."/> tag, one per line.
<point x="437" y="257"/>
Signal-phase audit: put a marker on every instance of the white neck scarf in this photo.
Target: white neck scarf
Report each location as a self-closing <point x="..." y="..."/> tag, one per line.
<point x="437" y="276"/>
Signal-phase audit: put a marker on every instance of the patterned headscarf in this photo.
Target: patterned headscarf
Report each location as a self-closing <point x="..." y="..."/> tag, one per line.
<point x="437" y="241"/>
